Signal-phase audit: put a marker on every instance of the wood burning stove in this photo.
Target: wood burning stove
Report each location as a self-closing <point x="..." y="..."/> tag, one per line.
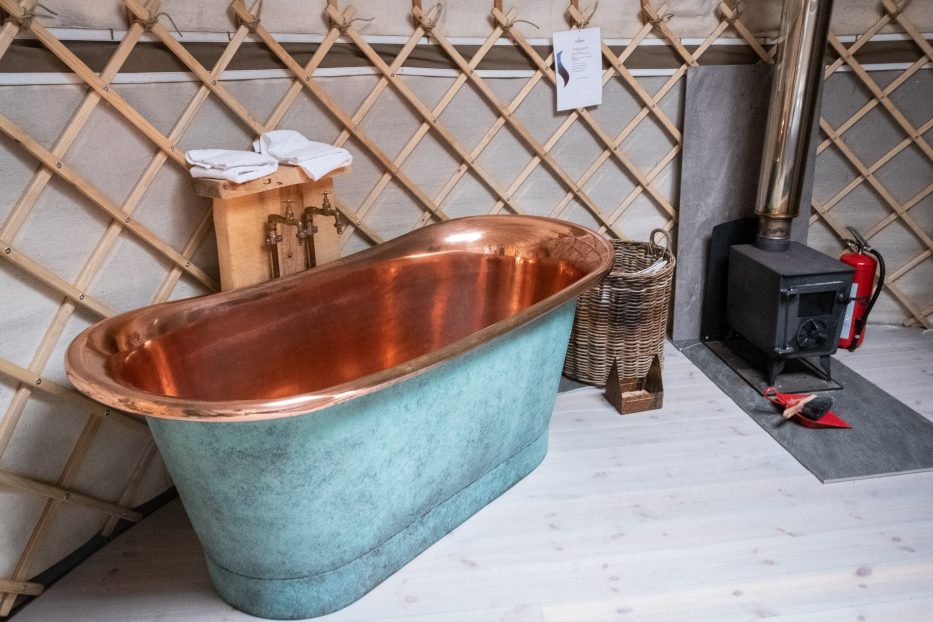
<point x="786" y="299"/>
<point x="789" y="303"/>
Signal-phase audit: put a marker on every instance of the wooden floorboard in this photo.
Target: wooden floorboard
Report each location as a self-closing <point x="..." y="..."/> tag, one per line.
<point x="691" y="513"/>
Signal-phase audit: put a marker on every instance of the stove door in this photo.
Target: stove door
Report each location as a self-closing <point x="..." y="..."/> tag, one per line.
<point x="811" y="318"/>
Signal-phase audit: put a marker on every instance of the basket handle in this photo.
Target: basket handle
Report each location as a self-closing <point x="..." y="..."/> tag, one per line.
<point x="665" y="235"/>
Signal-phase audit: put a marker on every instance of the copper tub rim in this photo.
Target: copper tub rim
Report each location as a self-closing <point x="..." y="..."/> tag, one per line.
<point x="103" y="388"/>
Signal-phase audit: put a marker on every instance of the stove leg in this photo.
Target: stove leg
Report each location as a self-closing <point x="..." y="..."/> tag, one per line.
<point x="775" y="366"/>
<point x="824" y="364"/>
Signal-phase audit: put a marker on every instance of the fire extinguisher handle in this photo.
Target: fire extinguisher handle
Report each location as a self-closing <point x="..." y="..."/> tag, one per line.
<point x="862" y="321"/>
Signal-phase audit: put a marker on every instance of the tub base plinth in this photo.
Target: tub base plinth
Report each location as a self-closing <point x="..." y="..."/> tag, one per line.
<point x="308" y="597"/>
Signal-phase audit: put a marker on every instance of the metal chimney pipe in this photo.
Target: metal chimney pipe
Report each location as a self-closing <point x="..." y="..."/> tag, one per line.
<point x="791" y="115"/>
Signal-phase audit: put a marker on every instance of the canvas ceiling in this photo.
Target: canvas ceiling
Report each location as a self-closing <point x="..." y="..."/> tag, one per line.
<point x="70" y="470"/>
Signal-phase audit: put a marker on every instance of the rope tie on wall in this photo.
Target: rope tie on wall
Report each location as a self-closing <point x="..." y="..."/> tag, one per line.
<point x="427" y="21"/>
<point x="346" y="19"/>
<point x="581" y="19"/>
<point x="153" y="19"/>
<point x="738" y="7"/>
<point x="893" y="8"/>
<point x="252" y="24"/>
<point x="25" y="18"/>
<point x="651" y="17"/>
<point x="507" y="25"/>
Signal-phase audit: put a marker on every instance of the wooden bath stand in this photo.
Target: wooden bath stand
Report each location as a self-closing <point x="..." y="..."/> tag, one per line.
<point x="241" y="216"/>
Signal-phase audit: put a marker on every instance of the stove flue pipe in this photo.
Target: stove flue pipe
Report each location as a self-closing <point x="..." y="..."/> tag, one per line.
<point x="791" y="115"/>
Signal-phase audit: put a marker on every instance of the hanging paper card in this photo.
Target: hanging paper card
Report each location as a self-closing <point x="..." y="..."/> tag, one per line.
<point x="578" y="65"/>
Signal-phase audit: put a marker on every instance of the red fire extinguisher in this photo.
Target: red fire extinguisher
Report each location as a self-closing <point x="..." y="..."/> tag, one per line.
<point x="865" y="260"/>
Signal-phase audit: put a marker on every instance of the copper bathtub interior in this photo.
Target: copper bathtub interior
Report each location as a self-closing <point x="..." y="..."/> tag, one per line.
<point x="450" y="286"/>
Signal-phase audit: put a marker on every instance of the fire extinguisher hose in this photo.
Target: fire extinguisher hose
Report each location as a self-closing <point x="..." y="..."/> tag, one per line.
<point x="862" y="321"/>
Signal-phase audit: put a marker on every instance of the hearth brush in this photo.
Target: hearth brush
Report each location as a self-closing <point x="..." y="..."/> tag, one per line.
<point x="811" y="411"/>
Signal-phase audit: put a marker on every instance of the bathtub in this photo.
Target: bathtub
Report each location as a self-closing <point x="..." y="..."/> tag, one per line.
<point x="325" y="428"/>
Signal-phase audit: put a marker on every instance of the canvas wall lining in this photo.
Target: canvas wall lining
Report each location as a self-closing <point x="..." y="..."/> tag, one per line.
<point x="98" y="214"/>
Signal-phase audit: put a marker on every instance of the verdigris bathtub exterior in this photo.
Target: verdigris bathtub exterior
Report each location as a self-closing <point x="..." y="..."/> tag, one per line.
<point x="301" y="516"/>
<point x="324" y="428"/>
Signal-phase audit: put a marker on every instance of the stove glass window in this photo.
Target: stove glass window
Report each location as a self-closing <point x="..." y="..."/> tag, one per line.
<point x="817" y="303"/>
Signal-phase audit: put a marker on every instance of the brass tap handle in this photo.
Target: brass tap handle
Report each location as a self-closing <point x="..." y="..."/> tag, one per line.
<point x="289" y="213"/>
<point x="328" y="210"/>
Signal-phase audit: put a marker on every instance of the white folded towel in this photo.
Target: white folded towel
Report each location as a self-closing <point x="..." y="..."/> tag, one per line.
<point x="238" y="174"/>
<point x="238" y="166"/>
<point x="290" y="147"/>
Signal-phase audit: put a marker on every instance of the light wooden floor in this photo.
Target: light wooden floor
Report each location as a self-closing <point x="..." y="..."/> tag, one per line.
<point x="688" y="513"/>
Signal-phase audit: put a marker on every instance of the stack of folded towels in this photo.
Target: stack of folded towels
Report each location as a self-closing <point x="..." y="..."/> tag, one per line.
<point x="271" y="148"/>
<point x="290" y="147"/>
<point x="238" y="166"/>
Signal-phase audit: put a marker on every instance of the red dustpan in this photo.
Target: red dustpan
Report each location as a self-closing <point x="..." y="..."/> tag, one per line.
<point x="790" y="400"/>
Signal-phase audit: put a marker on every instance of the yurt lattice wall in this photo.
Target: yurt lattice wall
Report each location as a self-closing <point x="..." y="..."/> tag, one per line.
<point x="98" y="216"/>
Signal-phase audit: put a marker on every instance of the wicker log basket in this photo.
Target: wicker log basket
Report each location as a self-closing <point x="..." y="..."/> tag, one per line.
<point x="624" y="318"/>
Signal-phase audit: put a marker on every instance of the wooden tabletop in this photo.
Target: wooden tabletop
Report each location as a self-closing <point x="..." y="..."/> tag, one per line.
<point x="286" y="175"/>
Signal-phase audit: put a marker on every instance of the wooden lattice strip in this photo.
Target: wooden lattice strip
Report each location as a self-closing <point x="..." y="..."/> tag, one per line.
<point x="52" y="388"/>
<point x="132" y="486"/>
<point x="113" y="231"/>
<point x="821" y="213"/>
<point x="732" y="18"/>
<point x="881" y="97"/>
<point x="204" y="227"/>
<point x="425" y="127"/>
<point x="21" y="588"/>
<point x="654" y="172"/>
<point x="23" y="565"/>
<point x="660" y="22"/>
<point x="39" y="272"/>
<point x="285" y="105"/>
<point x="894" y="216"/>
<point x="296" y="87"/>
<point x="896" y="11"/>
<point x="579" y="20"/>
<point x="208" y="79"/>
<point x="889" y="285"/>
<point x="362" y="110"/>
<point x="59" y="493"/>
<point x="859" y="179"/>
<point x="871" y="104"/>
<point x="916" y="312"/>
<point x="446" y="136"/>
<point x="912" y="321"/>
<point x="610" y="146"/>
<point x="10" y="27"/>
<point x="879" y="188"/>
<point x="100" y="199"/>
<point x="864" y="38"/>
<point x="43" y="175"/>
<point x="904" y="269"/>
<point x="617" y="61"/>
<point x="75" y="293"/>
<point x="488" y="136"/>
<point x="145" y="181"/>
<point x="518" y="128"/>
<point x="311" y="85"/>
<point x="103" y="88"/>
<point x="569" y="120"/>
<point x="879" y="94"/>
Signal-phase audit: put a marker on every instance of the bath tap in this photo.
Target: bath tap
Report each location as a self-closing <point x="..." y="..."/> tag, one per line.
<point x="327" y="209"/>
<point x="305" y="232"/>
